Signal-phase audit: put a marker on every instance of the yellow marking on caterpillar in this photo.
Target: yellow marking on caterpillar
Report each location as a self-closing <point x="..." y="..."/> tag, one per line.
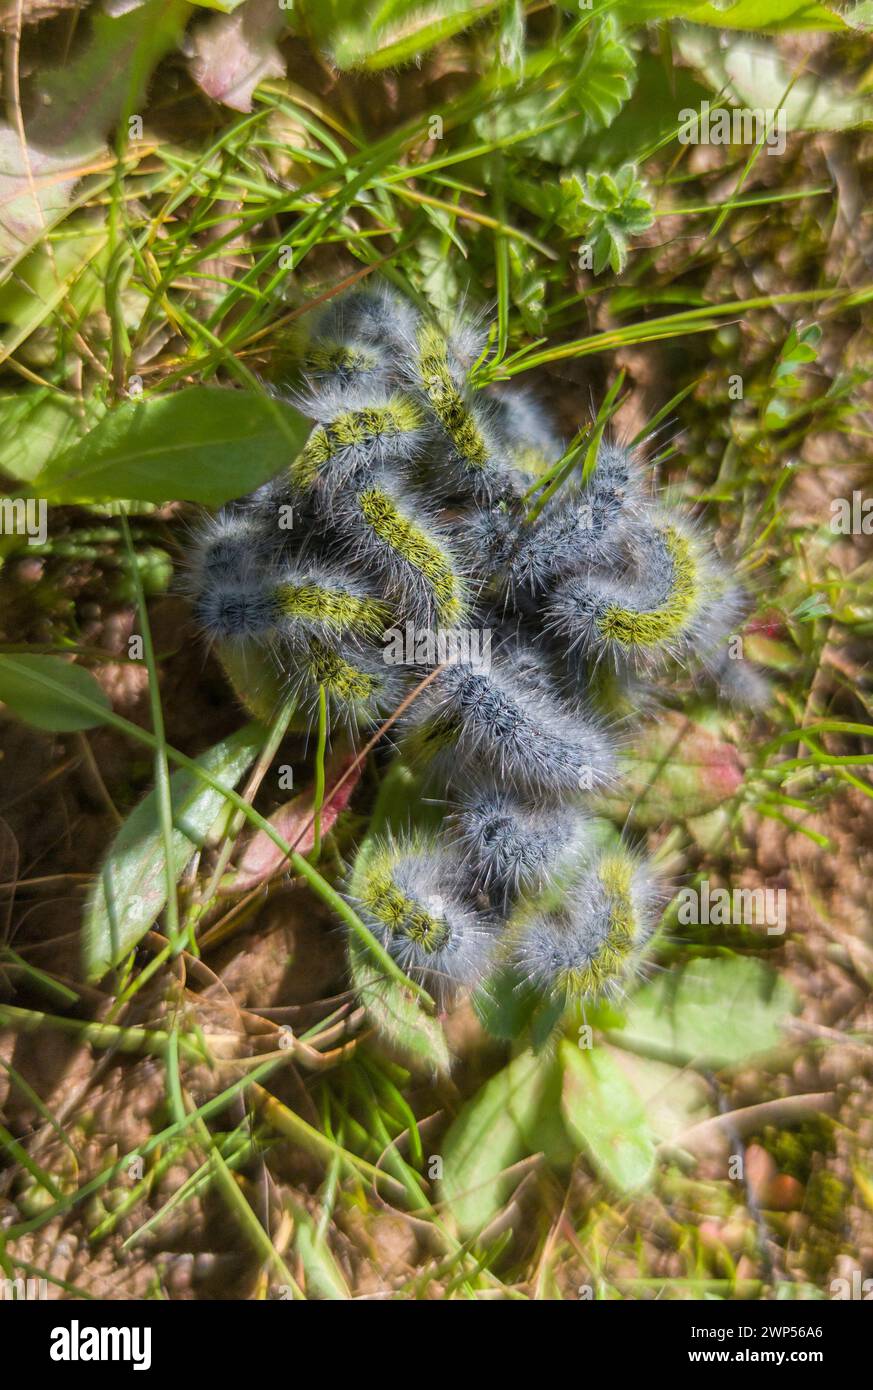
<point x="611" y="960"/>
<point x="655" y="625"/>
<point x="398" y="913"/>
<point x="353" y="428"/>
<point x="417" y="549"/>
<point x="337" y="609"/>
<point x="338" y="677"/>
<point x="332" y="357"/>
<point x="448" y="403"/>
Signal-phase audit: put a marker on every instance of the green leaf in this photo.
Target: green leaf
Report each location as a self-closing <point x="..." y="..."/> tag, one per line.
<point x="514" y="1115"/>
<point x="74" y="271"/>
<point x="324" y="1278"/>
<point x="398" y="32"/>
<point x="768" y="15"/>
<point x="131" y="889"/>
<point x="606" y="211"/>
<point x="584" y="93"/>
<point x="606" y="1117"/>
<point x="752" y="73"/>
<point x="713" y="1012"/>
<point x="22" y="691"/>
<point x="202" y="444"/>
<point x="674" y="1098"/>
<point x="397" y="1015"/>
<point x="504" y="1004"/>
<point x="37" y="425"/>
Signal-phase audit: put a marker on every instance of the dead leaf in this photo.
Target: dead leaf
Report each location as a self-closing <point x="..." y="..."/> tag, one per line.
<point x="261" y="857"/>
<point x="233" y="53"/>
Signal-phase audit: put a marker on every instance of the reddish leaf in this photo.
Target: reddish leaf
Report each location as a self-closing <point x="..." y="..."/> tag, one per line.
<point x="261" y="858"/>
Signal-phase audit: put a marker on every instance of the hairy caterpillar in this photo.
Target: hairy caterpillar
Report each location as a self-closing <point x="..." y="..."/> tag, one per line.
<point x="521" y="735"/>
<point x="359" y="429"/>
<point x="525" y="431"/>
<point x="509" y="846"/>
<point x="409" y="508"/>
<point x="581" y="527"/>
<point x="313" y="599"/>
<point x="390" y="534"/>
<point x="651" y="612"/>
<point x="589" y="940"/>
<point x="359" y="687"/>
<point x="409" y="898"/>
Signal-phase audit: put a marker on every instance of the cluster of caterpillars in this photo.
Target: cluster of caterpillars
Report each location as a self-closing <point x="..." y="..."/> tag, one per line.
<point x="411" y="506"/>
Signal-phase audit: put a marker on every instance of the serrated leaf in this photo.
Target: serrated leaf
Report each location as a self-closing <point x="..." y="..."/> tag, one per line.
<point x="584" y="95"/>
<point x="201" y="444"/>
<point x="130" y="890"/>
<point x="606" y="1117"/>
<point x="33" y="703"/>
<point x="712" y="1012"/>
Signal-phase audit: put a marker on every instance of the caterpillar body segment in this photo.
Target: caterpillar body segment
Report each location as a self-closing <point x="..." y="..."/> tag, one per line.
<point x="372" y="319"/>
<point x="525" y="432"/>
<point x="410" y="896"/>
<point x="720" y="649"/>
<point x="587" y="940"/>
<point x="654" y="612"/>
<point x="287" y="518"/>
<point x="315" y="599"/>
<point x="344" y="363"/>
<point x="358" y="430"/>
<point x="579" y="528"/>
<point x="474" y="460"/>
<point x="509" y="846"/>
<point x="470" y="718"/>
<point x="359" y="688"/>
<point x="390" y="534"/>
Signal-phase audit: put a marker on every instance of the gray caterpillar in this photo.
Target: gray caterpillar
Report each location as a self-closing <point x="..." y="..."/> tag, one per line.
<point x="409" y="504"/>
